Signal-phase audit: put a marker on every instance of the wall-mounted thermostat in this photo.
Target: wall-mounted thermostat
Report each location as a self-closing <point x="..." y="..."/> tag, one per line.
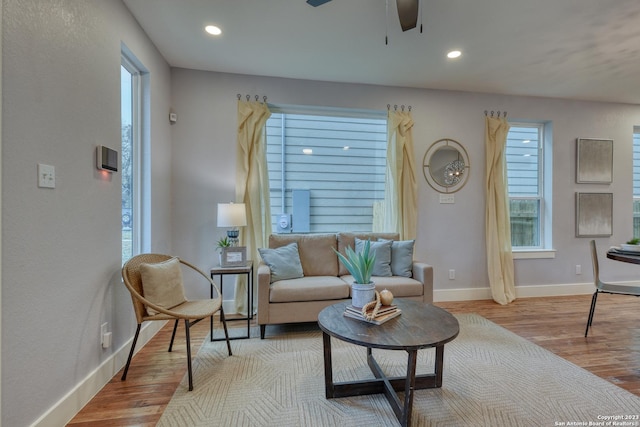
<point x="106" y="159"/>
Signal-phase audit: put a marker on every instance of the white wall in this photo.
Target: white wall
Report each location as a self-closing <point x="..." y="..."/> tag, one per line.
<point x="449" y="236"/>
<point x="61" y="247"/>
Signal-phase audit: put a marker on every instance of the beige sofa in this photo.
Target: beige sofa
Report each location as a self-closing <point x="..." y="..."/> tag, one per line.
<point x="326" y="281"/>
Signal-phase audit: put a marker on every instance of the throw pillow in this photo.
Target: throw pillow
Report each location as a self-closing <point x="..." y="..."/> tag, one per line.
<point x="284" y="262"/>
<point x="382" y="264"/>
<point x="401" y="257"/>
<point x="162" y="284"/>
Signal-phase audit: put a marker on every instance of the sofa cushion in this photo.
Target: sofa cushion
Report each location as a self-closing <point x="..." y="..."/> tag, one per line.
<point x="348" y="239"/>
<point x="402" y="257"/>
<point x="382" y="251"/>
<point x="399" y="286"/>
<point x="316" y="252"/>
<point x="310" y="288"/>
<point x="284" y="262"/>
<point x="162" y="284"/>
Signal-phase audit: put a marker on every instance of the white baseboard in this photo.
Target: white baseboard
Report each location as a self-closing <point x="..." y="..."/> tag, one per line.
<point x="471" y="294"/>
<point x="67" y="407"/>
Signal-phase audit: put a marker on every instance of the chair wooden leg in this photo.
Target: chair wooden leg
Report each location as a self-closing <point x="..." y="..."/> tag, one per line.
<point x="173" y="335"/>
<point x="263" y="329"/>
<point x="133" y="346"/>
<point x="593" y="309"/>
<point x="226" y="332"/>
<point x="186" y="325"/>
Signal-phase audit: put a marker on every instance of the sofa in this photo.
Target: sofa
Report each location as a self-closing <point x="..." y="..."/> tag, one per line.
<point x="300" y="274"/>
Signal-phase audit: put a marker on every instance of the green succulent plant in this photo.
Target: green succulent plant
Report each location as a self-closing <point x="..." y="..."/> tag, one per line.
<point x="634" y="241"/>
<point x="223" y="242"/>
<point x="360" y="265"/>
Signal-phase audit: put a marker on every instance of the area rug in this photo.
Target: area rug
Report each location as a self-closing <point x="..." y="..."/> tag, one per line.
<point x="492" y="377"/>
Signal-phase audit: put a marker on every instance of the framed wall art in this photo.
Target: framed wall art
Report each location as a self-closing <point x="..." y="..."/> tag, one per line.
<point x="594" y="214"/>
<point x="594" y="161"/>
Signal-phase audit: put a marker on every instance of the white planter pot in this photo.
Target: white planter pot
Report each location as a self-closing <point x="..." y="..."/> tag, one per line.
<point x="362" y="294"/>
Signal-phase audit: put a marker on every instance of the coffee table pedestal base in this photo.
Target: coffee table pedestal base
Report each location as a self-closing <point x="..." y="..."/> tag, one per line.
<point x="382" y="384"/>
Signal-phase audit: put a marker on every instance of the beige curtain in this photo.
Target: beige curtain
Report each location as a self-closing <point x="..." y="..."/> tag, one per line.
<point x="401" y="188"/>
<point x="252" y="187"/>
<point x="497" y="222"/>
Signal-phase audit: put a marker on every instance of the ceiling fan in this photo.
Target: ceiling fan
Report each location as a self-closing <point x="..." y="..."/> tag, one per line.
<point x="407" y="11"/>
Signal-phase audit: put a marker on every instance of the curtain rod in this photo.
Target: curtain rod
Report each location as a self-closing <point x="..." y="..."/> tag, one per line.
<point x="395" y="107"/>
<point x="486" y="113"/>
<point x="264" y="98"/>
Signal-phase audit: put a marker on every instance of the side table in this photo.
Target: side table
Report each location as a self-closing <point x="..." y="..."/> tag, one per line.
<point x="243" y="269"/>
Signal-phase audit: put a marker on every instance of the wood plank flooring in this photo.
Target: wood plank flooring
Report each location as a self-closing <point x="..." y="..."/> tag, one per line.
<point x="612" y="351"/>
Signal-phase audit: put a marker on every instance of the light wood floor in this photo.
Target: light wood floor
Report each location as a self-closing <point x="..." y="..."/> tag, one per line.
<point x="612" y="351"/>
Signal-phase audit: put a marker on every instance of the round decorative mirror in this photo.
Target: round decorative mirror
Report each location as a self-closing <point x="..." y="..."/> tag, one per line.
<point x="446" y="166"/>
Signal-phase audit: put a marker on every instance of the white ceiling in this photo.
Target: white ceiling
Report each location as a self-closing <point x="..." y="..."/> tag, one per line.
<point x="577" y="49"/>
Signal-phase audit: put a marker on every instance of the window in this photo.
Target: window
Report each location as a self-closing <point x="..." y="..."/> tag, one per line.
<point x="636" y="182"/>
<point x="326" y="169"/>
<point x="131" y="112"/>
<point x="526" y="188"/>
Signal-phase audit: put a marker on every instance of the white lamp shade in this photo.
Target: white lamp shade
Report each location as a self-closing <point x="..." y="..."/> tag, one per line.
<point x="232" y="215"/>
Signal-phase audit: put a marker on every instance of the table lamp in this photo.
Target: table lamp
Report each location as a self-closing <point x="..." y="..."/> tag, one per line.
<point x="232" y="215"/>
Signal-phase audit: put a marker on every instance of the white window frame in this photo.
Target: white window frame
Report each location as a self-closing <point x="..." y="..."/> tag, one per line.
<point x="636" y="176"/>
<point x="139" y="83"/>
<point x="544" y="249"/>
<point x="316" y="111"/>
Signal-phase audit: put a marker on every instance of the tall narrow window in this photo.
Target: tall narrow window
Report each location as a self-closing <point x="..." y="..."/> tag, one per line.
<point x="131" y="134"/>
<point x="327" y="169"/>
<point x="525" y="178"/>
<point x="636" y="182"/>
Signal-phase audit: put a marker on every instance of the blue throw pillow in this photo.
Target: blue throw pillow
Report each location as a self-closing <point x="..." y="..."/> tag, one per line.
<point x="284" y="262"/>
<point x="382" y="264"/>
<point x="401" y="257"/>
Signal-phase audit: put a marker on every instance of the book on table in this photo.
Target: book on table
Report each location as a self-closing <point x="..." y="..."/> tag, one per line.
<point x="385" y="313"/>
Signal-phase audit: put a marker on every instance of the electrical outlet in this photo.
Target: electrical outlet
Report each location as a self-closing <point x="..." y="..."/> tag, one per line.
<point x="452" y="274"/>
<point x="105" y="337"/>
<point x="46" y="176"/>
<point x="578" y="269"/>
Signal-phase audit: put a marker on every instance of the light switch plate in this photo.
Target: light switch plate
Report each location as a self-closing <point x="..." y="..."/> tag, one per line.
<point x="46" y="176"/>
<point x="447" y="198"/>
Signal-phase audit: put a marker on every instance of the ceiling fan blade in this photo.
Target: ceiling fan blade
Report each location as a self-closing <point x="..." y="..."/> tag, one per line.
<point x="316" y="3"/>
<point x="408" y="13"/>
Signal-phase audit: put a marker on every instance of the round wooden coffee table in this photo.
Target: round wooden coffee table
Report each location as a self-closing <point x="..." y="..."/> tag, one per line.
<point x="418" y="326"/>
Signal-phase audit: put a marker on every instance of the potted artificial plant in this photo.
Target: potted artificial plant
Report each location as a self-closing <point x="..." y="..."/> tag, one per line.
<point x="223" y="242"/>
<point x="360" y="266"/>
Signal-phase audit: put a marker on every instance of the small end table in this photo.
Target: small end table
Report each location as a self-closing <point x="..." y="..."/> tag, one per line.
<point x="243" y="269"/>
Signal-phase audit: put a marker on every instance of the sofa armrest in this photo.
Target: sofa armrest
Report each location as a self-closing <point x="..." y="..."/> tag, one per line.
<point x="423" y="273"/>
<point x="264" y="284"/>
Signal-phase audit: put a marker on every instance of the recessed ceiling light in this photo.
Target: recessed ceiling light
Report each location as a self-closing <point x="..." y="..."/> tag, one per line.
<point x="213" y="30"/>
<point x="307" y="151"/>
<point x="454" y="54"/>
<point x="526" y="141"/>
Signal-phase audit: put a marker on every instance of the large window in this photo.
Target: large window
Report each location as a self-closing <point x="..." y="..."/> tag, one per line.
<point x="636" y="182"/>
<point x="131" y="111"/>
<point x="327" y="170"/>
<point x="526" y="190"/>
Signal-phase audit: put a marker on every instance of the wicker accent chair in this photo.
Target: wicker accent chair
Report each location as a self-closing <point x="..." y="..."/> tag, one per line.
<point x="190" y="311"/>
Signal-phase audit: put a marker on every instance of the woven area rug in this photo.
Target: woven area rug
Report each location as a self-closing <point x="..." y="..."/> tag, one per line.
<point x="492" y="377"/>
